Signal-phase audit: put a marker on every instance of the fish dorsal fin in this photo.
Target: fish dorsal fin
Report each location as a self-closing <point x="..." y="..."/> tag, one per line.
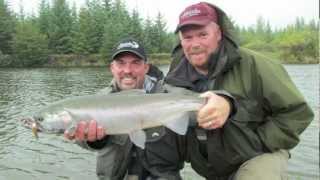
<point x="138" y="138"/>
<point x="179" y="123"/>
<point x="130" y="92"/>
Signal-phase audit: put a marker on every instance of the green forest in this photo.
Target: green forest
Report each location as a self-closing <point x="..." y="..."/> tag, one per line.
<point x="61" y="31"/>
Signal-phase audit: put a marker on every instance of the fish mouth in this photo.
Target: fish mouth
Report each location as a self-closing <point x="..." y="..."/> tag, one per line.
<point x="32" y="124"/>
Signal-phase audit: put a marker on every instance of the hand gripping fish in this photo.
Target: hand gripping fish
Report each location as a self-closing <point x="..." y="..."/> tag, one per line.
<point x="126" y="112"/>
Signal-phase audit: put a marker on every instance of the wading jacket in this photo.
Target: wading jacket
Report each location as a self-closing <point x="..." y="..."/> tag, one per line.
<point x="271" y="112"/>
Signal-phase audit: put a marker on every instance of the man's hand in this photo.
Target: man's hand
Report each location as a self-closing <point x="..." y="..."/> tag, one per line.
<point x="86" y="131"/>
<point x="214" y="113"/>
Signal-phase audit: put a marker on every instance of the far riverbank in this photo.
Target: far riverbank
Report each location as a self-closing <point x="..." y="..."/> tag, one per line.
<point x="96" y="60"/>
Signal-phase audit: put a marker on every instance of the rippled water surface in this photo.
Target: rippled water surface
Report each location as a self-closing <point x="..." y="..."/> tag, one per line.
<point x="23" y="91"/>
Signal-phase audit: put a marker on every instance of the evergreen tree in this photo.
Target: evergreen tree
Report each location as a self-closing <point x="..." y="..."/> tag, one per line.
<point x="313" y="25"/>
<point x="44" y="17"/>
<point x="299" y="24"/>
<point x="30" y="46"/>
<point x="135" y="26"/>
<point x="7" y="28"/>
<point x="268" y="33"/>
<point x="111" y="36"/>
<point x="153" y="35"/>
<point x="21" y="15"/>
<point x="80" y="43"/>
<point x="107" y="5"/>
<point x="96" y="20"/>
<point x="75" y="27"/>
<point x="260" y="26"/>
<point x="89" y="36"/>
<point x="116" y="27"/>
<point x="160" y="34"/>
<point x="148" y="35"/>
<point x="60" y="27"/>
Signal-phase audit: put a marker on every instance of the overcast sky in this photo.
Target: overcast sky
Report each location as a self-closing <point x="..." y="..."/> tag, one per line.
<point x="244" y="12"/>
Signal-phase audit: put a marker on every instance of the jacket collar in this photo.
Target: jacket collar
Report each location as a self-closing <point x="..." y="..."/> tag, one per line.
<point x="220" y="62"/>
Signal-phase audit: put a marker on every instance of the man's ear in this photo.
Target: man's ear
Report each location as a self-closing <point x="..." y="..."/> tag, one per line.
<point x="146" y="67"/>
<point x="111" y="66"/>
<point x="219" y="34"/>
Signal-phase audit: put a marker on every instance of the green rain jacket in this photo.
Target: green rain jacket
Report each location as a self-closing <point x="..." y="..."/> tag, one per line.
<point x="271" y="112"/>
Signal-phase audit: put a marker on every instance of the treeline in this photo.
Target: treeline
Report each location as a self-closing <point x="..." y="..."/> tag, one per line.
<point x="297" y="43"/>
<point x="61" y="29"/>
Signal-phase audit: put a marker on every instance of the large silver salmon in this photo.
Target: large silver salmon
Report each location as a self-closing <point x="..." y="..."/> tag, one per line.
<point x="126" y="112"/>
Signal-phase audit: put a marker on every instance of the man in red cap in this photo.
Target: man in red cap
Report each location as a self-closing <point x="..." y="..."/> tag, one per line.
<point x="246" y="134"/>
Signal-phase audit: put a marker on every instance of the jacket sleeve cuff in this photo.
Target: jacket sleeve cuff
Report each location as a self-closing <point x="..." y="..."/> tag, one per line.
<point x="231" y="100"/>
<point x="95" y="145"/>
<point x="99" y="144"/>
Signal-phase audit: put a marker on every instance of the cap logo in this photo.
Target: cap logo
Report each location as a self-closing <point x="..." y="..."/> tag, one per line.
<point x="130" y="44"/>
<point x="192" y="12"/>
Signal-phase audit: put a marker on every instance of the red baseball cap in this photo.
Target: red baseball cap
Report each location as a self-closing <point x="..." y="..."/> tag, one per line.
<point x="197" y="14"/>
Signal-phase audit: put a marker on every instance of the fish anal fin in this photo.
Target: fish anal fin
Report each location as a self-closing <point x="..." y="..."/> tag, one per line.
<point x="178" y="124"/>
<point x="138" y="138"/>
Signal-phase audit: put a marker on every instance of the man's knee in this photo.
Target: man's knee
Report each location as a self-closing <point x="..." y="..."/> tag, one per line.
<point x="265" y="167"/>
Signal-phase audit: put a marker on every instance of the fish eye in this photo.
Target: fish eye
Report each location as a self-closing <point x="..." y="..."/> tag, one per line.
<point x="39" y="119"/>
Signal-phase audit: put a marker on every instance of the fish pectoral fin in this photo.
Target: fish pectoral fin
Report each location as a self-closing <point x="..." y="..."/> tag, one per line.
<point x="71" y="129"/>
<point x="178" y="124"/>
<point x="138" y="138"/>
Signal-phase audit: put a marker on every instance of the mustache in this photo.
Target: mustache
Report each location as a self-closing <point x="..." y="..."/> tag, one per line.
<point x="128" y="76"/>
<point x="196" y="50"/>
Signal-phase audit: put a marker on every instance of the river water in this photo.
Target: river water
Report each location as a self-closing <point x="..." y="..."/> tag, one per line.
<point x="23" y="91"/>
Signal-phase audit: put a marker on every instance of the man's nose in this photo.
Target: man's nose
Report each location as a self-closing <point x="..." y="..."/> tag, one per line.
<point x="127" y="68"/>
<point x="195" y="43"/>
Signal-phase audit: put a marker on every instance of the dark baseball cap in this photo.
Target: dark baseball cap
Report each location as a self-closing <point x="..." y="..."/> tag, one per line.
<point x="129" y="45"/>
<point x="197" y="14"/>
